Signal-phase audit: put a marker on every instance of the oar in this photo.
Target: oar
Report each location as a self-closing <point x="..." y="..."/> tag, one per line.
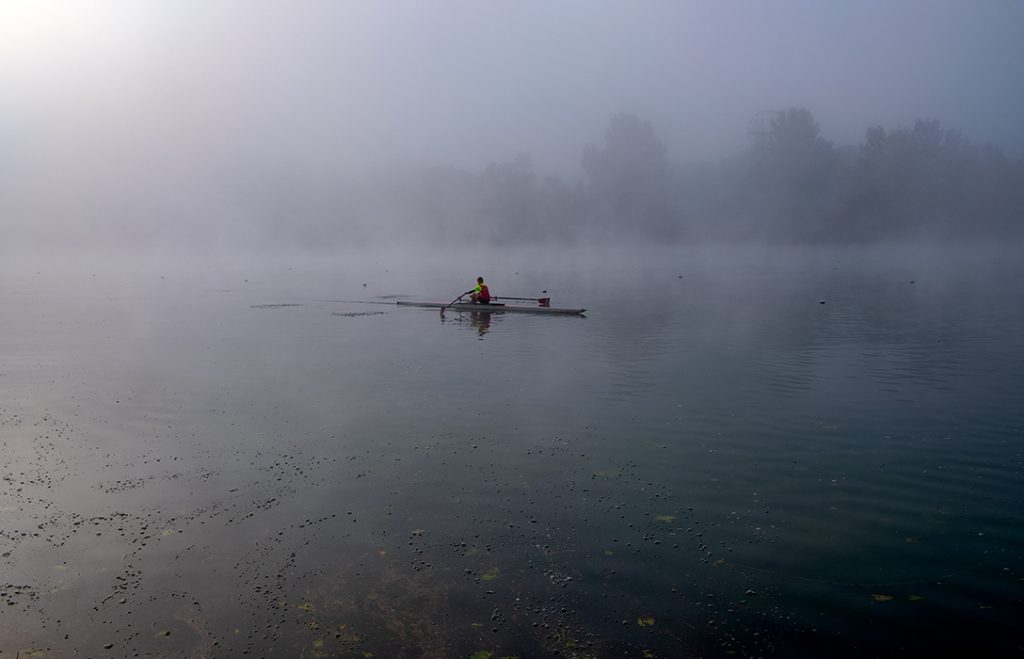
<point x="450" y="304"/>
<point x="543" y="301"/>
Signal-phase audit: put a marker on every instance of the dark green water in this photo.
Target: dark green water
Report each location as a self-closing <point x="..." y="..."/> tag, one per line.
<point x="229" y="460"/>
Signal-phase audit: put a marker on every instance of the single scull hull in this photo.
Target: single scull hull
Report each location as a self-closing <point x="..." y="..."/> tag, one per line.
<point x="494" y="308"/>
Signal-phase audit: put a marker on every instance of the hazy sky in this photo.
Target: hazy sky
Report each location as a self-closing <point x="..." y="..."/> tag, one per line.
<point x="351" y="83"/>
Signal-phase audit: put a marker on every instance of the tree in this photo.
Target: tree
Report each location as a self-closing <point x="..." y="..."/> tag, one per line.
<point x="792" y="155"/>
<point x="510" y="198"/>
<point x="915" y="179"/>
<point x="629" y="177"/>
<point x="793" y="175"/>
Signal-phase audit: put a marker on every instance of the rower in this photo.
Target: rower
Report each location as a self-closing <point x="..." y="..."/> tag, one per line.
<point x="481" y="294"/>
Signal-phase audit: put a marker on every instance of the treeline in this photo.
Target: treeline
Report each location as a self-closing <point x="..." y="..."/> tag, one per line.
<point x="922" y="182"/>
<point x="789" y="185"/>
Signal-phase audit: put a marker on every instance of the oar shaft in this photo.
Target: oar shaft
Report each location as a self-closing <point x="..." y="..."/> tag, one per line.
<point x="450" y="304"/>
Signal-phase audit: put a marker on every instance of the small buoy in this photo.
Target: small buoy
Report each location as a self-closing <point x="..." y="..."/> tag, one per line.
<point x="911" y="281"/>
<point x="821" y="301"/>
<point x="364" y="285"/>
<point x="679" y="276"/>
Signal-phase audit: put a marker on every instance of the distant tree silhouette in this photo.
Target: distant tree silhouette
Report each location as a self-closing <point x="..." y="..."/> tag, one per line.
<point x="911" y="178"/>
<point x="793" y="173"/>
<point x="629" y="178"/>
<point x="790" y="185"/>
<point x="510" y="199"/>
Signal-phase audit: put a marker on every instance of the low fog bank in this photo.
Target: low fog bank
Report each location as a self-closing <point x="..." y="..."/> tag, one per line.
<point x="442" y="270"/>
<point x="922" y="183"/>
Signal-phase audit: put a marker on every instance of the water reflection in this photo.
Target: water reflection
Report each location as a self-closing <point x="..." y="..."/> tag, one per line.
<point x="481" y="321"/>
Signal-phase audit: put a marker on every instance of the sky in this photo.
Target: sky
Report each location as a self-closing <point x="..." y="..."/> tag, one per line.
<point x="100" y="96"/>
<point x="466" y="82"/>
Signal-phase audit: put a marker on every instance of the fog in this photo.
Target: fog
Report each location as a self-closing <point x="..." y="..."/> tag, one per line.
<point x="250" y="125"/>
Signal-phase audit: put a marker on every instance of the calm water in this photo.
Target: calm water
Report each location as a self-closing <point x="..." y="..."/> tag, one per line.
<point x="736" y="453"/>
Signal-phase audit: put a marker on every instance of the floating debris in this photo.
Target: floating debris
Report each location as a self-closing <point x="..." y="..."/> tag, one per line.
<point x="357" y="314"/>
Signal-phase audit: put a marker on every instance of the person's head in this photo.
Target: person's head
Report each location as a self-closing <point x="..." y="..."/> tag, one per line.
<point x="479" y="280"/>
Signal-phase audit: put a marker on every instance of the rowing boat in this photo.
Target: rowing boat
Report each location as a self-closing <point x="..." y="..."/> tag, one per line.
<point x="494" y="308"/>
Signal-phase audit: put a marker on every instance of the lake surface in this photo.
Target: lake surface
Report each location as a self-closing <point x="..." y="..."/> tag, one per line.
<point x="737" y="452"/>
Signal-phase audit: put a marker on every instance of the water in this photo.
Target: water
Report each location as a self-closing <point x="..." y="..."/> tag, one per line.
<point x="736" y="453"/>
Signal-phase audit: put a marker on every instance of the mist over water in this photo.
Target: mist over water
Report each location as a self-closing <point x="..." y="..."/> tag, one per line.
<point x="788" y="423"/>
